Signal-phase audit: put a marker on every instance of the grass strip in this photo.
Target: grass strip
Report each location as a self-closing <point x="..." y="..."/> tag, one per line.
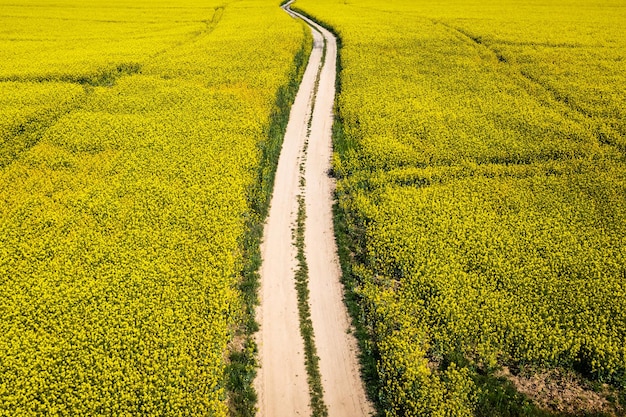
<point x="314" y="378"/>
<point x="318" y="407"/>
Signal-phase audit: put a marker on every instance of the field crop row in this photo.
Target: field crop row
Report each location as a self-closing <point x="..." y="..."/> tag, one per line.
<point x="482" y="182"/>
<point x="133" y="138"/>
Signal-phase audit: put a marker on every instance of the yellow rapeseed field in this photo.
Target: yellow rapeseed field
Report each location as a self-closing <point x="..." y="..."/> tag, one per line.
<point x="133" y="136"/>
<point x="480" y="154"/>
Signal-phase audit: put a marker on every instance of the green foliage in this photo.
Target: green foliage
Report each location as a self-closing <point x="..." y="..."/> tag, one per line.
<point x="481" y="182"/>
<point x="318" y="407"/>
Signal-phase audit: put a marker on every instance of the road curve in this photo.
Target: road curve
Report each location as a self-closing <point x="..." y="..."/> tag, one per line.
<point x="344" y="394"/>
<point x="282" y="381"/>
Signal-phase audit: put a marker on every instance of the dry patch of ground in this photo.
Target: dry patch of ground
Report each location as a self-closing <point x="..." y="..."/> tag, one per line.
<point x="565" y="393"/>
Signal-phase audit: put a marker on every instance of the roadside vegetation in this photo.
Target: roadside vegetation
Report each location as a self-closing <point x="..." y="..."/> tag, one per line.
<point x="481" y="169"/>
<point x="137" y="145"/>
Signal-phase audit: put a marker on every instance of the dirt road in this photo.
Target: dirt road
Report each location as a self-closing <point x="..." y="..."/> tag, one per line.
<point x="282" y="380"/>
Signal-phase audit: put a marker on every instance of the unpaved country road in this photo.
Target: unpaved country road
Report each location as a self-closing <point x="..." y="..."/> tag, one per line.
<point x="282" y="380"/>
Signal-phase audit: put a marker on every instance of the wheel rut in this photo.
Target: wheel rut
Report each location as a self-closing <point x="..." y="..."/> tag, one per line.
<point x="282" y="382"/>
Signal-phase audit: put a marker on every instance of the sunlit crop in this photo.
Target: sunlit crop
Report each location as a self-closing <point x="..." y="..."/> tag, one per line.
<point x="131" y="136"/>
<point x="482" y="179"/>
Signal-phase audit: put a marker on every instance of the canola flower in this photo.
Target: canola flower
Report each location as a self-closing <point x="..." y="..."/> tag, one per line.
<point x="131" y="138"/>
<point x="481" y="177"/>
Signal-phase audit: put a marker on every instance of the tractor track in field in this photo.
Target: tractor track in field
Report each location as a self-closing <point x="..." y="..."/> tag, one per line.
<point x="302" y="184"/>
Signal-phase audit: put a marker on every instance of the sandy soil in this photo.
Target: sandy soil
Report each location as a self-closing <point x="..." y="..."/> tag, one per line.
<point x="282" y="381"/>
